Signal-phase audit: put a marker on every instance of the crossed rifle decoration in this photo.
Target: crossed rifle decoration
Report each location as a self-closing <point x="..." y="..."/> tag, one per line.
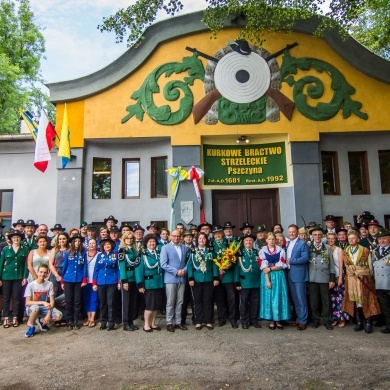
<point x="239" y="61"/>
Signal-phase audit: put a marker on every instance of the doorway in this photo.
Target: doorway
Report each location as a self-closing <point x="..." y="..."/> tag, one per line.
<point x="253" y="206"/>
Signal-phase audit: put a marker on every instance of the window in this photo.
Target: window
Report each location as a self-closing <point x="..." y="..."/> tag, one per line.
<point x="130" y="185"/>
<point x="101" y="178"/>
<point x="159" y="177"/>
<point x="387" y="221"/>
<point x="6" y="201"/>
<point x="159" y="225"/>
<point x="358" y="173"/>
<point x="384" y="169"/>
<point x="330" y="173"/>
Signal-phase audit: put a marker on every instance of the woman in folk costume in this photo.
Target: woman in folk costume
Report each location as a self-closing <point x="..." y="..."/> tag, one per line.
<point x="274" y="305"/>
<point x="360" y="298"/>
<point x="203" y="275"/>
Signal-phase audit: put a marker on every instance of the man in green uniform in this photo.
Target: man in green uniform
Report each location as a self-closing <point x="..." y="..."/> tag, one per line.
<point x="261" y="234"/>
<point x="29" y="230"/>
<point x="224" y="293"/>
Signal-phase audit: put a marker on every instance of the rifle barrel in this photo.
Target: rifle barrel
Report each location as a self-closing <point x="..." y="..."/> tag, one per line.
<point x="278" y="53"/>
<point x="204" y="55"/>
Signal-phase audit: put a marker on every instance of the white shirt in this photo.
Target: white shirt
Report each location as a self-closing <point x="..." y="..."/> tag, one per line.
<point x="290" y="247"/>
<point x="178" y="249"/>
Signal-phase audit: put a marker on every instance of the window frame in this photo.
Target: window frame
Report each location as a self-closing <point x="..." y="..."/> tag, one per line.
<point x="153" y="187"/>
<point x="93" y="175"/>
<point x="364" y="173"/>
<point x="383" y="191"/>
<point x="124" y="178"/>
<point x="336" y="172"/>
<point x="5" y="214"/>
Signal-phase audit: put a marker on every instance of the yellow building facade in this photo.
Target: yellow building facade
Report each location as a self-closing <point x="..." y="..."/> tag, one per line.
<point x="321" y="146"/>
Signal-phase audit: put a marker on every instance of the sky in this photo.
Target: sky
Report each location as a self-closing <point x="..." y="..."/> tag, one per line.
<point x="74" y="45"/>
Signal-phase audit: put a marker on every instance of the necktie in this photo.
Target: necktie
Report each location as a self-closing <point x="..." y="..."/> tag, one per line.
<point x="382" y="251"/>
<point x="250" y="252"/>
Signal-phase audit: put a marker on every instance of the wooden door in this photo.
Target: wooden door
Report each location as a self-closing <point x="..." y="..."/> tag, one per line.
<point x="238" y="206"/>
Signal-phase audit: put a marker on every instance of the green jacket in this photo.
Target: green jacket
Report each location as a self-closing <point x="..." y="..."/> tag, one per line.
<point x="228" y="276"/>
<point x="32" y="245"/>
<point x="148" y="273"/>
<point x="247" y="270"/>
<point x="13" y="266"/>
<point x="128" y="260"/>
<point x="201" y="267"/>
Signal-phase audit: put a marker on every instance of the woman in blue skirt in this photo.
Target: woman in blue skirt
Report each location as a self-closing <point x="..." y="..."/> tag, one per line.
<point x="274" y="305"/>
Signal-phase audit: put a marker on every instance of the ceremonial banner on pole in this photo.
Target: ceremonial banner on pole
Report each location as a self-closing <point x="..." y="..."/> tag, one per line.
<point x="178" y="175"/>
<point x="64" y="149"/>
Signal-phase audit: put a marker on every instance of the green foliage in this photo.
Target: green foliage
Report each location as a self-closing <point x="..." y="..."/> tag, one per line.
<point x="367" y="20"/>
<point x="21" y="50"/>
<point x="372" y="27"/>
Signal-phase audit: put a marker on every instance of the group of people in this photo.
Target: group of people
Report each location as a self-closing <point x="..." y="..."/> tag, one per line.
<point x="330" y="276"/>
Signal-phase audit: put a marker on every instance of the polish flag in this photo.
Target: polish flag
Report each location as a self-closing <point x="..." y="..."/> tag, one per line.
<point x="44" y="142"/>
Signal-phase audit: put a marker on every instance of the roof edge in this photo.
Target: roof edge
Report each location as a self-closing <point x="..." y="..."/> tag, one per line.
<point x="349" y="49"/>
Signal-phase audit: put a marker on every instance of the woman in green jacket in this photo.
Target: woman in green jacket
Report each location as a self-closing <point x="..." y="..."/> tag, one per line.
<point x="128" y="256"/>
<point x="13" y="275"/>
<point x="150" y="281"/>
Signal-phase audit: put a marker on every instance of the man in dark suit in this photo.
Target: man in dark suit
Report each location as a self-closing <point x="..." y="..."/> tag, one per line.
<point x="297" y="261"/>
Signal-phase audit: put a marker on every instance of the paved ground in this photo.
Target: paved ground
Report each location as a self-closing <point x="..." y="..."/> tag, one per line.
<point x="224" y="358"/>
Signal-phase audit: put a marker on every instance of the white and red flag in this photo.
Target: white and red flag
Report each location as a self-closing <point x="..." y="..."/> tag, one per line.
<point x="44" y="142"/>
<point x="195" y="175"/>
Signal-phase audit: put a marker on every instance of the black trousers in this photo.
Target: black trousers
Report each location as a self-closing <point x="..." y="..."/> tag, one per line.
<point x="384" y="302"/>
<point x="203" y="301"/>
<point x="249" y="305"/>
<point x="225" y="299"/>
<point x="12" y="288"/>
<point x="72" y="301"/>
<point x="320" y="305"/>
<point x="129" y="303"/>
<point x="187" y="300"/>
<point x="106" y="299"/>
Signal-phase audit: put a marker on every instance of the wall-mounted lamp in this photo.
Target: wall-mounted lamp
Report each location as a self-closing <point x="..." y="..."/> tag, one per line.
<point x="242" y="138"/>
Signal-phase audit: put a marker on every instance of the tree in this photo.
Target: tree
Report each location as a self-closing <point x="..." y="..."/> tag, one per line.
<point x="21" y="49"/>
<point x="372" y="27"/>
<point x="352" y="16"/>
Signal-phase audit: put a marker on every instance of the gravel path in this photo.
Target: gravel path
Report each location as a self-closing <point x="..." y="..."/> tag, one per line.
<point x="223" y="358"/>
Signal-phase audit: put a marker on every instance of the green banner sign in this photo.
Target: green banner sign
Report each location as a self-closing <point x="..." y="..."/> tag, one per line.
<point x="262" y="164"/>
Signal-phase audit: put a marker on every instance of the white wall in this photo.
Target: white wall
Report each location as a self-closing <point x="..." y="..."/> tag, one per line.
<point x="143" y="209"/>
<point x="348" y="205"/>
<point x="34" y="191"/>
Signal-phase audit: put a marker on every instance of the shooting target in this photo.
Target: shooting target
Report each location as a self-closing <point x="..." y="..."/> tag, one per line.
<point x="242" y="78"/>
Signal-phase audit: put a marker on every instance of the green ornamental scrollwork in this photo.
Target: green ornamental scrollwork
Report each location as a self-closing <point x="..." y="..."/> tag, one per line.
<point x="172" y="91"/>
<point x="231" y="113"/>
<point x="315" y="89"/>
